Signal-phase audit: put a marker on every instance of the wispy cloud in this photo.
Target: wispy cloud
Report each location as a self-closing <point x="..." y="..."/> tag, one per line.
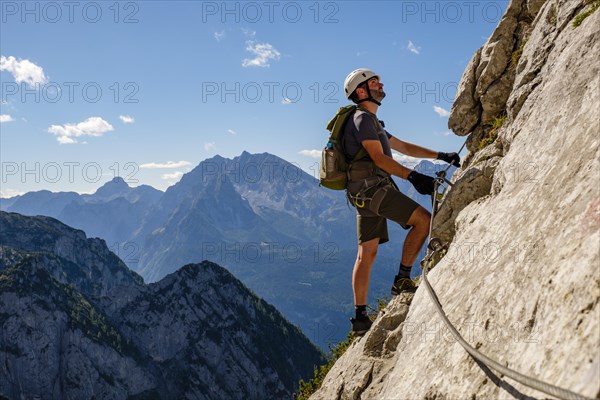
<point x="126" y="119"/>
<point x="219" y="36"/>
<point x="209" y="146"/>
<point x="7" y="193"/>
<point x="23" y="71"/>
<point x="67" y="134"/>
<point x="250" y="34"/>
<point x="231" y="132"/>
<point x="6" y="118"/>
<point x="311" y="153"/>
<point x="287" y="101"/>
<point x="263" y="52"/>
<point x="167" y="165"/>
<point x="413" y="48"/>
<point x="173" y="176"/>
<point x="442" y="112"/>
<point x="405" y="160"/>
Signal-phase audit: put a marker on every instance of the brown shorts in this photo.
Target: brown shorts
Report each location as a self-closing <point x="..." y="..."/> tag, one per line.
<point x="371" y="221"/>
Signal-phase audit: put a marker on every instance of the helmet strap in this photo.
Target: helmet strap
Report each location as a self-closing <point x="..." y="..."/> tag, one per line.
<point x="370" y="98"/>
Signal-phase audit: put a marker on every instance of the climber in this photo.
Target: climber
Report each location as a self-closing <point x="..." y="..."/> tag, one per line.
<point x="375" y="195"/>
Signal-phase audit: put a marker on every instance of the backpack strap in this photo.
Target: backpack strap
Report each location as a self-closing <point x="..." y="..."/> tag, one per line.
<point x="360" y="154"/>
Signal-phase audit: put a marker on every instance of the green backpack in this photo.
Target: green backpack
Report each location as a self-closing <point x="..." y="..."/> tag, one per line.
<point x="333" y="173"/>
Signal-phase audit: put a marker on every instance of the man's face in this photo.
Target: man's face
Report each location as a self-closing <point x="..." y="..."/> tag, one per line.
<point x="376" y="89"/>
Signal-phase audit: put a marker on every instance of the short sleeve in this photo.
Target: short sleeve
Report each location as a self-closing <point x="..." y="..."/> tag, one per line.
<point x="366" y="127"/>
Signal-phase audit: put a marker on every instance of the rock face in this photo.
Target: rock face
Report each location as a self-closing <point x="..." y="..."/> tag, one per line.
<point x="521" y="279"/>
<point x="76" y="323"/>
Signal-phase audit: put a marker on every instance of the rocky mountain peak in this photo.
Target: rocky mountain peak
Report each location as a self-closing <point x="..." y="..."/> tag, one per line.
<point x="116" y="185"/>
<point x="74" y="318"/>
<point x="86" y="263"/>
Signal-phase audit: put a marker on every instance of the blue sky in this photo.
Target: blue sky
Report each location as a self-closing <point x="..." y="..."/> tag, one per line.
<point x="147" y="90"/>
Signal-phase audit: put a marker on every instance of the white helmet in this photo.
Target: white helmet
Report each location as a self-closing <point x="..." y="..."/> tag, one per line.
<point x="357" y="77"/>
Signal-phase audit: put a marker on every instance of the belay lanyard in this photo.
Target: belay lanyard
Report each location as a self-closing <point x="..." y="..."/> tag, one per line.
<point x="436" y="248"/>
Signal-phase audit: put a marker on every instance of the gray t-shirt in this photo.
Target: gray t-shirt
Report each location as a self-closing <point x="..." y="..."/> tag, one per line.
<point x="363" y="125"/>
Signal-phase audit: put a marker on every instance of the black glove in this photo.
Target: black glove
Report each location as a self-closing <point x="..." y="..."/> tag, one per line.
<point x="423" y="183"/>
<point x="450" y="158"/>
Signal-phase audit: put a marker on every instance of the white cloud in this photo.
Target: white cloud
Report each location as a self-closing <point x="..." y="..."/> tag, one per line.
<point x="442" y="112"/>
<point x="231" y="131"/>
<point x="67" y="134"/>
<point x="167" y="165"/>
<point x="219" y="36"/>
<point x="23" y="71"/>
<point x="263" y="53"/>
<point x="172" y="177"/>
<point x="209" y="146"/>
<point x="249" y="33"/>
<point x="126" y="119"/>
<point x="311" y="153"/>
<point x="287" y="101"/>
<point x="7" y="193"/>
<point x="413" y="48"/>
<point x="405" y="160"/>
<point x="6" y="118"/>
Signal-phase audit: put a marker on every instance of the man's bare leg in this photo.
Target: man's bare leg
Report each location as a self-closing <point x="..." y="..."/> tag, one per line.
<point x="419" y="220"/>
<point x="367" y="251"/>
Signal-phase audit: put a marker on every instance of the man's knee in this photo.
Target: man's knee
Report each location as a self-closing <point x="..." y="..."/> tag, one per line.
<point x="420" y="218"/>
<point x="367" y="251"/>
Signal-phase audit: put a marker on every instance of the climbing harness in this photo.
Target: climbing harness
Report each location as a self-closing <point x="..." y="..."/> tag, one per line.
<point x="358" y="200"/>
<point x="380" y="185"/>
<point x="436" y="251"/>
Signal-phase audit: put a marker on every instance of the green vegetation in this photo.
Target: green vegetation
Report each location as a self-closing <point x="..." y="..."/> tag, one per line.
<point x="495" y="124"/>
<point x="25" y="279"/>
<point x="516" y="55"/>
<point x="382" y="303"/>
<point x="308" y="388"/>
<point x="579" y="18"/>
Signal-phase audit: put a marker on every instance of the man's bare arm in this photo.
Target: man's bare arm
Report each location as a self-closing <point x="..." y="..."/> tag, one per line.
<point x="383" y="161"/>
<point x="411" y="149"/>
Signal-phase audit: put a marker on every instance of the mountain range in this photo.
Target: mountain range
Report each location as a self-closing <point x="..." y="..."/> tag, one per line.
<point x="261" y="217"/>
<point x="77" y="323"/>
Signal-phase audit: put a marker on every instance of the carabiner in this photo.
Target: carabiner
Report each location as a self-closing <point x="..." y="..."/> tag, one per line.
<point x="361" y="205"/>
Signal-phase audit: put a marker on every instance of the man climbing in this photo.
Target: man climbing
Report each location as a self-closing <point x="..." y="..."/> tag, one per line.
<point x="374" y="194"/>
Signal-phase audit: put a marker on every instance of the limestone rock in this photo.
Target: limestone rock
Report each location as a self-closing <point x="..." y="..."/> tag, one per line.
<point x="360" y="372"/>
<point x="466" y="109"/>
<point x="520" y="280"/>
<point x="472" y="184"/>
<point x="495" y="78"/>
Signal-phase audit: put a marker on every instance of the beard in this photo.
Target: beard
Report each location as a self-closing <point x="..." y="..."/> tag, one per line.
<point x="378" y="94"/>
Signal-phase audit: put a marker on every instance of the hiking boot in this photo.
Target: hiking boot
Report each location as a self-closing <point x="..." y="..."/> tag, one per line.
<point x="360" y="326"/>
<point x="403" y="285"/>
